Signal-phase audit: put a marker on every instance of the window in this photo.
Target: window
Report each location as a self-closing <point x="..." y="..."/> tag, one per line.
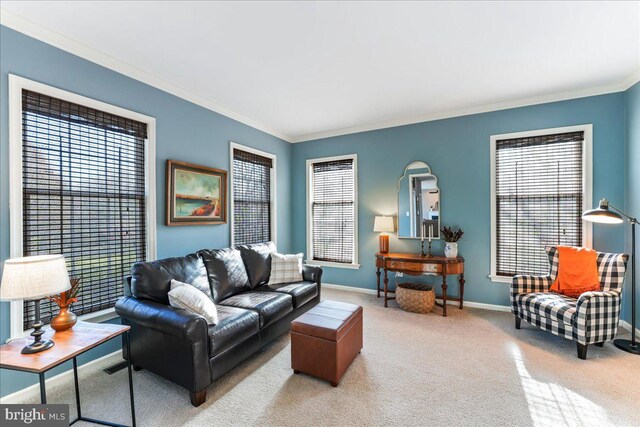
<point x="253" y="195"/>
<point x="82" y="192"/>
<point x="540" y="187"/>
<point x="332" y="211"/>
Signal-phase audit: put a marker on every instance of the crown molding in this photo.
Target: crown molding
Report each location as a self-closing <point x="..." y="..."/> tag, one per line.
<point x="37" y="31"/>
<point x="486" y="108"/>
<point x="75" y="47"/>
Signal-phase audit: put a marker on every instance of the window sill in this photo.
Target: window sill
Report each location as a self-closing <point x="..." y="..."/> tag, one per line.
<point x="97" y="317"/>
<point x="333" y="264"/>
<point x="499" y="279"/>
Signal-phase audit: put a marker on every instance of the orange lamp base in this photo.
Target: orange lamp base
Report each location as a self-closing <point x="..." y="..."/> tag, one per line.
<point x="384" y="243"/>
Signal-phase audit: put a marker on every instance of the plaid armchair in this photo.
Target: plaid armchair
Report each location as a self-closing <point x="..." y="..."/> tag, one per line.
<point x="590" y="319"/>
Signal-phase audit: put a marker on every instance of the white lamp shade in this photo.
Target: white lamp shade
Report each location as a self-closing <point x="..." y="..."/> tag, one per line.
<point x="34" y="277"/>
<point x="383" y="224"/>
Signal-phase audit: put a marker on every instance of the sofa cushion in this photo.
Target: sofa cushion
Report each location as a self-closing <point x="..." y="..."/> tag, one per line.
<point x="271" y="306"/>
<point x="234" y="326"/>
<point x="301" y="292"/>
<point x="257" y="260"/>
<point x="152" y="280"/>
<point x="226" y="273"/>
<point x="550" y="305"/>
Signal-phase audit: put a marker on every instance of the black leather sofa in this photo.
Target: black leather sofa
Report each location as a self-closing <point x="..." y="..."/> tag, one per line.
<point x="179" y="345"/>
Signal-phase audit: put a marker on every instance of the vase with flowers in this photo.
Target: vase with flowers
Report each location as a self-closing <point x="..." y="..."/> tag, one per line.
<point x="66" y="318"/>
<point x="451" y="238"/>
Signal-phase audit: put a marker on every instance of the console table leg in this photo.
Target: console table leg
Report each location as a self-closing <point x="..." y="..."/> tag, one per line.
<point x="386" y="283"/>
<point x="444" y="295"/>
<point x="378" y="281"/>
<point x="461" y="280"/>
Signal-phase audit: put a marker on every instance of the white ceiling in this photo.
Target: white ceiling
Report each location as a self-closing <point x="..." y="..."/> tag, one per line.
<point x="302" y="70"/>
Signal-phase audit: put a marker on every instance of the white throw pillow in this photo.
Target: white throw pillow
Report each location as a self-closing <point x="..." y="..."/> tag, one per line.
<point x="285" y="268"/>
<point x="188" y="297"/>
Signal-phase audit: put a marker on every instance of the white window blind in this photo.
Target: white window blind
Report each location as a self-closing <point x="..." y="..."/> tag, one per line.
<point x="333" y="202"/>
<point x="539" y="199"/>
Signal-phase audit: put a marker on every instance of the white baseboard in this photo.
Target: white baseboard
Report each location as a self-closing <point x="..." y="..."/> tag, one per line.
<point x="350" y="289"/>
<point x="66" y="376"/>
<point x="471" y="304"/>
<point x="626" y="325"/>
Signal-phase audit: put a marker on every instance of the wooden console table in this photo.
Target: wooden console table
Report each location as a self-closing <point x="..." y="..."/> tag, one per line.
<point x="416" y="265"/>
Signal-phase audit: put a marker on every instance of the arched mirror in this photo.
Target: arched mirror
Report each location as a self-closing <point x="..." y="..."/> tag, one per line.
<point x="418" y="202"/>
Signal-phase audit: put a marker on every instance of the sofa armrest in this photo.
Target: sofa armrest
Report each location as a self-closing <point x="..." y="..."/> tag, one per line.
<point x="312" y="273"/>
<point x="169" y="341"/>
<point x="163" y="318"/>
<point x="597" y="316"/>
<point x="524" y="284"/>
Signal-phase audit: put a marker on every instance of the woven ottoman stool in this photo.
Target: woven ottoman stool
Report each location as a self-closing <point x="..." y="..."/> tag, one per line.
<point x="326" y="339"/>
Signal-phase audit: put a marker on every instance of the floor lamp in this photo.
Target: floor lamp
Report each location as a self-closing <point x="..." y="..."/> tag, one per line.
<point x="604" y="215"/>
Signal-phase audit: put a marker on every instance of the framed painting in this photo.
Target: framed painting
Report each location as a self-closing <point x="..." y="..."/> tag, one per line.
<point x="196" y="195"/>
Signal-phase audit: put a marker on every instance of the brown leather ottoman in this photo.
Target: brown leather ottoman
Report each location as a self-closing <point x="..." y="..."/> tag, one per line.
<point x="326" y="339"/>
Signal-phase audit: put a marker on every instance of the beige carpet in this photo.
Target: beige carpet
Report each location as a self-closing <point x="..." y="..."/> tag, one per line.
<point x="471" y="368"/>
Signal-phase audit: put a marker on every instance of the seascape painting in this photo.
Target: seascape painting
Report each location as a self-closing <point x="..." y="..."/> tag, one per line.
<point x="196" y="194"/>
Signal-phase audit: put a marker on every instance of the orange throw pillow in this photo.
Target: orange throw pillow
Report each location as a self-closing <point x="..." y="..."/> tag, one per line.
<point x="577" y="271"/>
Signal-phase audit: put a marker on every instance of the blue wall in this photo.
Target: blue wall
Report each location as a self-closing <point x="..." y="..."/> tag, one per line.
<point x="457" y="150"/>
<point x="632" y="206"/>
<point x="185" y="132"/>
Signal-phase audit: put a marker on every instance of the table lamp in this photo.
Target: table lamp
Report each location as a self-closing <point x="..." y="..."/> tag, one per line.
<point x="604" y="215"/>
<point x="33" y="278"/>
<point x="384" y="225"/>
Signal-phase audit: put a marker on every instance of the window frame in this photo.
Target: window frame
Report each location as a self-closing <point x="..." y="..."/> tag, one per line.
<point x="310" y="162"/>
<point x="587" y="185"/>
<point x="274" y="189"/>
<point x="16" y="85"/>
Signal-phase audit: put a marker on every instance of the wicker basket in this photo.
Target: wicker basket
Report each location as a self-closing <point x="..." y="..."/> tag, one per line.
<point x="415" y="297"/>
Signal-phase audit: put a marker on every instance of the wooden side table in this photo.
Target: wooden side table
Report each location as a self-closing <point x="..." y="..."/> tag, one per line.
<point x="68" y="345"/>
<point x="416" y="265"/>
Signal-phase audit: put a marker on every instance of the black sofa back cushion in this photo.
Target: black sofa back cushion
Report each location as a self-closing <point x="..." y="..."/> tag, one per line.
<point x="257" y="260"/>
<point x="152" y="280"/>
<point x="226" y="272"/>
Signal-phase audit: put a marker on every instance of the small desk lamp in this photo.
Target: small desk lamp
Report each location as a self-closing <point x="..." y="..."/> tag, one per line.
<point x="33" y="278"/>
<point x="384" y="225"/>
<point x="604" y="215"/>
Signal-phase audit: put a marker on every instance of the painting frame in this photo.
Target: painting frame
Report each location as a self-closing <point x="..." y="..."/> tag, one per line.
<point x="196" y="184"/>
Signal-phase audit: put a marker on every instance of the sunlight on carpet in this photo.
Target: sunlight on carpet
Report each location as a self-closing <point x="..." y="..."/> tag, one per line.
<point x="551" y="404"/>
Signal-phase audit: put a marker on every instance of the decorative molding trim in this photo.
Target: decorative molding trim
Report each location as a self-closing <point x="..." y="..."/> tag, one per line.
<point x="31" y="392"/>
<point x="78" y="48"/>
<point x="631" y="80"/>
<point x="626" y="325"/>
<point x="485" y="108"/>
<point x="471" y="304"/>
<point x="75" y="47"/>
<point x="346" y="288"/>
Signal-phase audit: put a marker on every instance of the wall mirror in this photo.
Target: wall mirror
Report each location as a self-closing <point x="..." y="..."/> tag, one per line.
<point x="418" y="202"/>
